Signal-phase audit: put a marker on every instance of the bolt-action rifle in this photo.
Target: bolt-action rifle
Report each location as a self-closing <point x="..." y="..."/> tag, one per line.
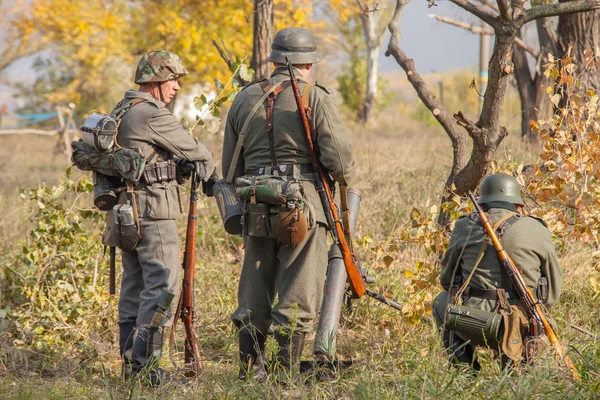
<point x="534" y="310"/>
<point x="185" y="309"/>
<point x="357" y="284"/>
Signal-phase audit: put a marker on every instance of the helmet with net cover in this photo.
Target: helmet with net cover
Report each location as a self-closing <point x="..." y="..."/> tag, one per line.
<point x="159" y="66"/>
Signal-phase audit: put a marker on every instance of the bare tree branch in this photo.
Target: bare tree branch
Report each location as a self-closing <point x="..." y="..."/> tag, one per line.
<point x="480" y="12"/>
<point x="490" y="4"/>
<point x="426" y="96"/>
<point x="394" y="24"/>
<point x="224" y="53"/>
<point x="505" y="9"/>
<point x="478" y="29"/>
<point x="550" y="10"/>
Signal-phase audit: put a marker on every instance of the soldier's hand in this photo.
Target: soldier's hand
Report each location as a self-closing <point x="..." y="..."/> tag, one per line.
<point x="186" y="167"/>
<point x="208" y="185"/>
<point x="200" y="170"/>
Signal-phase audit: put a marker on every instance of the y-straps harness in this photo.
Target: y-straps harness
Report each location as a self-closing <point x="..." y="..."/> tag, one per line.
<point x="500" y="227"/>
<point x="272" y="96"/>
<point x="242" y="134"/>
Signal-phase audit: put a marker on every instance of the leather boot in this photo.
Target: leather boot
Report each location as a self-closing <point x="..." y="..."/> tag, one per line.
<point x="290" y="351"/>
<point x="147" y="351"/>
<point x="126" y="336"/>
<point x="252" y="349"/>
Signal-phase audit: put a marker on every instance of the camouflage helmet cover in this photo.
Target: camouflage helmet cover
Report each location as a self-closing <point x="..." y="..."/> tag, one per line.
<point x="159" y="66"/>
<point x="298" y="44"/>
<point x="500" y="187"/>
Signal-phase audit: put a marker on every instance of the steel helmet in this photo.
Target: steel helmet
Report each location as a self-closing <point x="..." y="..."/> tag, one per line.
<point x="500" y="187"/>
<point x="298" y="44"/>
<point x="159" y="66"/>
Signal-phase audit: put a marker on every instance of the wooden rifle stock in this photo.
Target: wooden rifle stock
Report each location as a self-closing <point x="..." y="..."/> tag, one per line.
<point x="185" y="308"/>
<point x="533" y="308"/>
<point x="357" y="284"/>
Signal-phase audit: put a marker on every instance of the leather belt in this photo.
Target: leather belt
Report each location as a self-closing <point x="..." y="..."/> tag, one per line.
<point x="164" y="171"/>
<point x="282" y="170"/>
<point x="490" y="294"/>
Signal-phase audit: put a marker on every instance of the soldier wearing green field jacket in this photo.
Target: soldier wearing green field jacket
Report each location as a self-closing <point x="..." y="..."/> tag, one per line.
<point x="275" y="144"/>
<point x="473" y="274"/>
<point x="151" y="269"/>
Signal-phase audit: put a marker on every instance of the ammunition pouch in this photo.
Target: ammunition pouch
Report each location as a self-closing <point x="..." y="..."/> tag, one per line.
<point x="275" y="208"/>
<point x="164" y="171"/>
<point x="260" y="219"/>
<point x="482" y="328"/>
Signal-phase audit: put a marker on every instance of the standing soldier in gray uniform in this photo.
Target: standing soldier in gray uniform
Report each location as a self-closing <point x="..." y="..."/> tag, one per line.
<point x="151" y="270"/>
<point x="275" y="144"/>
<point x="475" y="268"/>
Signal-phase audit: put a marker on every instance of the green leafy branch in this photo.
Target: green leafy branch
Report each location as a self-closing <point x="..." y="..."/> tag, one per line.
<point x="226" y="92"/>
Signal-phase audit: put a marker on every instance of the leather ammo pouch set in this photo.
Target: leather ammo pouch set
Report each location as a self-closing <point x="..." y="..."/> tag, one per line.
<point x="274" y="207"/>
<point x="507" y="328"/>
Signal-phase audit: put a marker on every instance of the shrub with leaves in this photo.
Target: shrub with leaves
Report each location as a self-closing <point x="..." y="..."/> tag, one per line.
<point x="55" y="285"/>
<point x="430" y="239"/>
<point x="565" y="185"/>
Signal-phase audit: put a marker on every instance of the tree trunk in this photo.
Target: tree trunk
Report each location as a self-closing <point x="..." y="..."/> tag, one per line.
<point x="370" y="21"/>
<point x="263" y="36"/>
<point x="582" y="32"/>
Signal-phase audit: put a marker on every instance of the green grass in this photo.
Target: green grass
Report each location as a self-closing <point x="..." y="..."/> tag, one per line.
<point x="398" y="168"/>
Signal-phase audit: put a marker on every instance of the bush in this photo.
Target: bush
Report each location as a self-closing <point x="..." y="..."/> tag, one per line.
<point x="54" y="285"/>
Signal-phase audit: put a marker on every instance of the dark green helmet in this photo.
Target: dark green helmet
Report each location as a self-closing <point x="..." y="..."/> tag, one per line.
<point x="298" y="44"/>
<point x="159" y="66"/>
<point x="500" y="187"/>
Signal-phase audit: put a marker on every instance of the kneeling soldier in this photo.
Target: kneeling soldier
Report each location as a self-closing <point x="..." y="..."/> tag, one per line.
<point x="474" y="279"/>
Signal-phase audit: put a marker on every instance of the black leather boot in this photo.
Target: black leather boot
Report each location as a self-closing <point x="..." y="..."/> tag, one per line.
<point x="126" y="335"/>
<point x="252" y="350"/>
<point x="290" y="351"/>
<point x="147" y="351"/>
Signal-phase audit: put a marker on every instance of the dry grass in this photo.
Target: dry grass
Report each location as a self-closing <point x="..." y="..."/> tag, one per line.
<point x="400" y="164"/>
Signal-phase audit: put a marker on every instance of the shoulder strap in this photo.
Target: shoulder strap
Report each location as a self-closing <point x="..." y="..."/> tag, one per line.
<point x="242" y="134"/>
<point x="484" y="246"/>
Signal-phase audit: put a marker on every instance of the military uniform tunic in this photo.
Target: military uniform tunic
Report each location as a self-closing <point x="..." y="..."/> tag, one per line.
<point x="295" y="274"/>
<point x="528" y="243"/>
<point x="154" y="264"/>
